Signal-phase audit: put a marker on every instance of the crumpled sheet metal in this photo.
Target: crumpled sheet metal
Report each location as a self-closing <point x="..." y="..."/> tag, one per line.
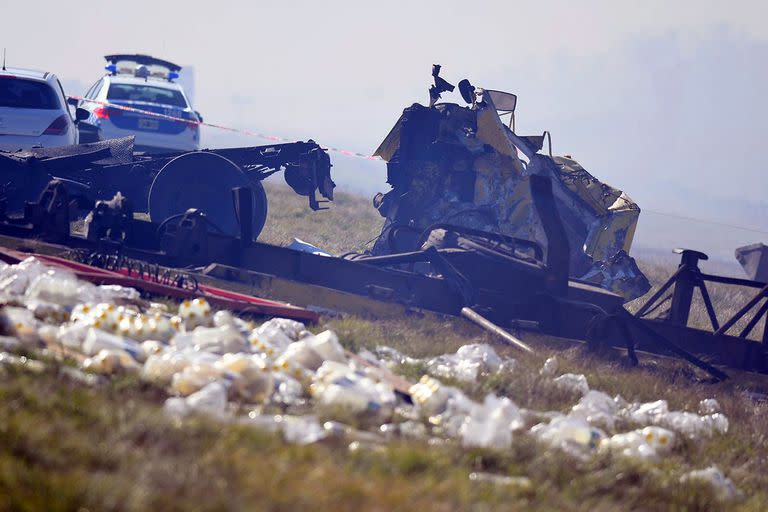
<point x="466" y="171"/>
<point x="615" y="214"/>
<point x="619" y="274"/>
<point x="754" y="260"/>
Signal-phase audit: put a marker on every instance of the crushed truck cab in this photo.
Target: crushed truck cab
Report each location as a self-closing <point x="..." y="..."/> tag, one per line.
<point x="462" y="165"/>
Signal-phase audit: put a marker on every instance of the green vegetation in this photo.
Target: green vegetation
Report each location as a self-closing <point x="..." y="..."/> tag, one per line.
<point x="68" y="446"/>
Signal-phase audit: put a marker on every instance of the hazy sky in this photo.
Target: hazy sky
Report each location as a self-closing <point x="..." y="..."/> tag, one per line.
<point x="666" y="100"/>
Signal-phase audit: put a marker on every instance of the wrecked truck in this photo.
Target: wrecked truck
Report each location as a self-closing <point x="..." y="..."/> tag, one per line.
<point x="450" y="164"/>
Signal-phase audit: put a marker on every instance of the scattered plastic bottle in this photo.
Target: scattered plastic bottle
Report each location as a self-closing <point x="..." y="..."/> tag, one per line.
<point x="110" y="361"/>
<point x="301" y="429"/>
<point x="195" y="313"/>
<point x="327" y="345"/>
<point x="251" y="379"/>
<point x="551" y="365"/>
<point x="337" y="387"/>
<point x="723" y="487"/>
<point x="430" y="395"/>
<point x="491" y="424"/>
<point x="210" y="400"/>
<point x="467" y="364"/>
<point x="572" y="382"/>
<point x="519" y="483"/>
<point x="97" y="340"/>
<point x="14" y="279"/>
<point x="648" y="443"/>
<point x="597" y="408"/>
<point x="300" y="353"/>
<point x="709" y="406"/>
<point x="573" y="435"/>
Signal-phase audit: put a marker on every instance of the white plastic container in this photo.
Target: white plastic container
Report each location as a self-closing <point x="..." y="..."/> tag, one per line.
<point x="110" y="361"/>
<point x="491" y="424"/>
<point x="327" y="345"/>
<point x="97" y="340"/>
<point x="299" y="353"/>
<point x="210" y="400"/>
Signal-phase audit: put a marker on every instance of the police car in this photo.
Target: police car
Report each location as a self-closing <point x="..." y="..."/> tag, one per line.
<point x="33" y="111"/>
<point x="144" y="83"/>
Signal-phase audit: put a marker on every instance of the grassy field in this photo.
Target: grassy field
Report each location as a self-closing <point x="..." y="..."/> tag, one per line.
<point x="68" y="446"/>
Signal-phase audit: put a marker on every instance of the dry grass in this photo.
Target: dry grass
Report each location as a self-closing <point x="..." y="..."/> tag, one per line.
<point x="64" y="446"/>
<point x="349" y="224"/>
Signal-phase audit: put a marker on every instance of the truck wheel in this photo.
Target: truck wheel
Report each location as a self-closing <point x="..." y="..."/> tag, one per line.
<point x="259" y="207"/>
<point x="204" y="180"/>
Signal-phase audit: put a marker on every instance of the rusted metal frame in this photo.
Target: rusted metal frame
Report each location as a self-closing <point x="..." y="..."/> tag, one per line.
<point x="359" y="278"/>
<point x="732" y="280"/>
<point x="243" y="202"/>
<point x="663" y="341"/>
<point x="435" y="294"/>
<point x="134" y="178"/>
<point x="400" y="258"/>
<point x="622" y="319"/>
<point x="721" y="350"/>
<point x="604" y="319"/>
<point x="628" y="326"/>
<point x="682" y="298"/>
<point x="702" y="285"/>
<point x="743" y="311"/>
<point x="455" y="278"/>
<point x="686" y="279"/>
<point x="645" y="307"/>
<point x="558" y="257"/>
<point x="659" y="304"/>
<point x="568" y="318"/>
<point x="765" y="335"/>
<point x="625" y="323"/>
<point x="597" y="317"/>
<point x="755" y="319"/>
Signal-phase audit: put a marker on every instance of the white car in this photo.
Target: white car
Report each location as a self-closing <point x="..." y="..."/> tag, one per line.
<point x="143" y="83"/>
<point x="33" y="111"/>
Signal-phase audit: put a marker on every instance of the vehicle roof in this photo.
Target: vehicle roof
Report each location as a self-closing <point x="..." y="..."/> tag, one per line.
<point x="128" y="79"/>
<point x="32" y="74"/>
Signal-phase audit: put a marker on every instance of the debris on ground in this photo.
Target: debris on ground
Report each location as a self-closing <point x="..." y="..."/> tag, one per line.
<point x="280" y="377"/>
<point x="519" y="483"/>
<point x="712" y="477"/>
<point x="300" y="245"/>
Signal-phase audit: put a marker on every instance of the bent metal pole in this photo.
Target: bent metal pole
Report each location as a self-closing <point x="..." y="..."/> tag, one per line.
<point x="489" y="326"/>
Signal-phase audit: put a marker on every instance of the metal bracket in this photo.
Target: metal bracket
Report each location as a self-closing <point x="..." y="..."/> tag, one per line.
<point x="52" y="212"/>
<point x="187" y="239"/>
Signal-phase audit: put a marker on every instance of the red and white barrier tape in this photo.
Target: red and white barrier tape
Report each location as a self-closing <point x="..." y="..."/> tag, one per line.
<point x="272" y="138"/>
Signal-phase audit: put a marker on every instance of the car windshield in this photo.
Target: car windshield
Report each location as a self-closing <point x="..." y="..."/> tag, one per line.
<point x="148" y="93"/>
<point x="21" y="93"/>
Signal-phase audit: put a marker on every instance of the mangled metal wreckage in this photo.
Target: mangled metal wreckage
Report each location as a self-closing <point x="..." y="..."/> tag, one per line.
<point x="472" y="229"/>
<point x="463" y="166"/>
<point x="167" y="185"/>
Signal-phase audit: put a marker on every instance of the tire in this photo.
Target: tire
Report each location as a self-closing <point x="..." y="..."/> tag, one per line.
<point x="260" y="208"/>
<point x="201" y="180"/>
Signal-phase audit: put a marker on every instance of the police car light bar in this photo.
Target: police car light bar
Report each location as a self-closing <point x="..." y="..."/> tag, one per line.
<point x="170" y="70"/>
